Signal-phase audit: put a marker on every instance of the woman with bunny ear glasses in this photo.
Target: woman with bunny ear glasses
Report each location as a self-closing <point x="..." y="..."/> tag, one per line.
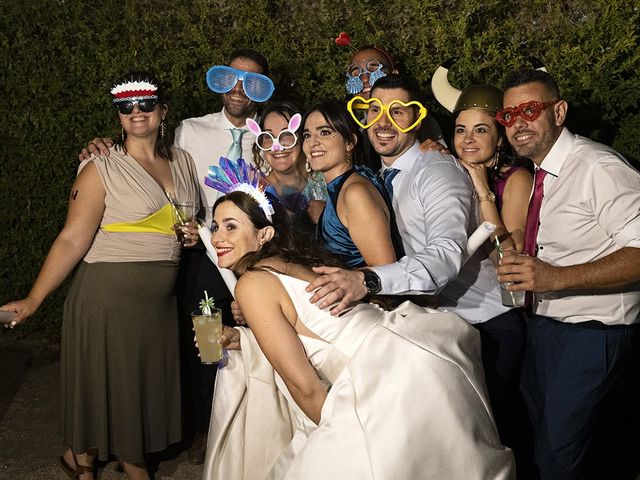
<point x="278" y="152"/>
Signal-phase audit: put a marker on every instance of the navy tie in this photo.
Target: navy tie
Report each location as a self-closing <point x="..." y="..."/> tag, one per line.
<point x="388" y="175"/>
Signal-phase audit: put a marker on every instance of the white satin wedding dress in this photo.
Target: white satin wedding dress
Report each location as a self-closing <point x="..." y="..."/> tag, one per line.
<point x="407" y="401"/>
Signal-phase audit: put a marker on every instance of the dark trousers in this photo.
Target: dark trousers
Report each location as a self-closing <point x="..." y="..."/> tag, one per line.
<point x="197" y="274"/>
<point x="567" y="372"/>
<point x="503" y="342"/>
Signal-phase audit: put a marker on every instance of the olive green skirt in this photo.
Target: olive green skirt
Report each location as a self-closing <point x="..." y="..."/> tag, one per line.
<point x="120" y="372"/>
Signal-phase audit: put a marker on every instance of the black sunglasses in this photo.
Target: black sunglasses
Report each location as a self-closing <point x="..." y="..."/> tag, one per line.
<point x="148" y="105"/>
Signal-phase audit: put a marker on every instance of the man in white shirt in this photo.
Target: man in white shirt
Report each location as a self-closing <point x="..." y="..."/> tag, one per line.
<point x="584" y="276"/>
<point x="207" y="139"/>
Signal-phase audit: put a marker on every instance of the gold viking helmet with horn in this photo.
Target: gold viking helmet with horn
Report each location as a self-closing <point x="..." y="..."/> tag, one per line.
<point x="484" y="97"/>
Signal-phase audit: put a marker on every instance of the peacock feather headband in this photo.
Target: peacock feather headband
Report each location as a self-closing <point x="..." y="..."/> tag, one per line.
<point x="238" y="176"/>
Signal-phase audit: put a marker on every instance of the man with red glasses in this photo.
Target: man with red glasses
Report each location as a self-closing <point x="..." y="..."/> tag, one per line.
<point x="583" y="238"/>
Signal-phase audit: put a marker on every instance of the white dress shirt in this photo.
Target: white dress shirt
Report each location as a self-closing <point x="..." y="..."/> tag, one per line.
<point x="207" y="139"/>
<point x="431" y="201"/>
<point x="590" y="208"/>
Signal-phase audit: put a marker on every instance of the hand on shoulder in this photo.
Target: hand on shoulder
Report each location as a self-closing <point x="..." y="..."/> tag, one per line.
<point x="337" y="285"/>
<point x="97" y="146"/>
<point x="433" y="145"/>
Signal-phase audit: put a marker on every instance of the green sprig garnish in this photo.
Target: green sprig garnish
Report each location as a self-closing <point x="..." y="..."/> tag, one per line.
<point x="206" y="304"/>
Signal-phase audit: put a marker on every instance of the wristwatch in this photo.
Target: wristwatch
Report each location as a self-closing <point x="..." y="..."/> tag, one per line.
<point x="489" y="197"/>
<point x="372" y="281"/>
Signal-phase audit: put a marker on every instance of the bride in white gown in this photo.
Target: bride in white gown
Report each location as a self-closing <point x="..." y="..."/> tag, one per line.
<point x="366" y="395"/>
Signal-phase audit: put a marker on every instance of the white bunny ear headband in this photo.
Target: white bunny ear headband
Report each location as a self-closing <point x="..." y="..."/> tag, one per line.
<point x="286" y="139"/>
<point x="237" y="175"/>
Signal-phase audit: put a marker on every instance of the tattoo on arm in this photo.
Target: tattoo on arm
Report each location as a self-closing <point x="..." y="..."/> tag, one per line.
<point x="74" y="194"/>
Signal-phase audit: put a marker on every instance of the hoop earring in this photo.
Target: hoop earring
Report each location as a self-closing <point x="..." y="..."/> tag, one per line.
<point x="162" y="128"/>
<point x="307" y="166"/>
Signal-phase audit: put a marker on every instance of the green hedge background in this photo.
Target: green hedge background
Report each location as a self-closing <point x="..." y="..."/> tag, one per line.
<point x="60" y="57"/>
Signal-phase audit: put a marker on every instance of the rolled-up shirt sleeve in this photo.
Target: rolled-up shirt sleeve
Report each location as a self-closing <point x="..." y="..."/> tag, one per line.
<point x="615" y="197"/>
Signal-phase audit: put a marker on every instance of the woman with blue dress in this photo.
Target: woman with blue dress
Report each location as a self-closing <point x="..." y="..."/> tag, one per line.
<point x="357" y="223"/>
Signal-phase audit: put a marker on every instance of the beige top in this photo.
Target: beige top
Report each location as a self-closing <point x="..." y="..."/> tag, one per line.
<point x="131" y="195"/>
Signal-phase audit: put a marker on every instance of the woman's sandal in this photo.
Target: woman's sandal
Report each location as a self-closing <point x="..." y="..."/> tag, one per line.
<point x="73" y="472"/>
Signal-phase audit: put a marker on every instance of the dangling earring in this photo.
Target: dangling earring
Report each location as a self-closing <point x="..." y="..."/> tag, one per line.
<point x="262" y="164"/>
<point x="307" y="166"/>
<point x="496" y="159"/>
<point x="162" y="128"/>
<point x="348" y="155"/>
<point x="122" y="134"/>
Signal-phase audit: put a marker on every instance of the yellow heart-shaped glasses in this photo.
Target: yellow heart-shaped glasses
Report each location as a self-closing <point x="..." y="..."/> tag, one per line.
<point x="374" y="109"/>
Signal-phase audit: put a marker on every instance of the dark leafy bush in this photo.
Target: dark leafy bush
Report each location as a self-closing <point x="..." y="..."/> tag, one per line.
<point x="59" y="58"/>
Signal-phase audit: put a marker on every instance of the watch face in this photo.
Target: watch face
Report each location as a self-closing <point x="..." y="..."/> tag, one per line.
<point x="372" y="281"/>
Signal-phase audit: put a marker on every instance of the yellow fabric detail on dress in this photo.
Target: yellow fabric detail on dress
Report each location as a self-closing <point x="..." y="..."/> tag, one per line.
<point x="158" y="222"/>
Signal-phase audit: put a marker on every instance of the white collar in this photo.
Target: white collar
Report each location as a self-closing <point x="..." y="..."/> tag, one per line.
<point x="559" y="152"/>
